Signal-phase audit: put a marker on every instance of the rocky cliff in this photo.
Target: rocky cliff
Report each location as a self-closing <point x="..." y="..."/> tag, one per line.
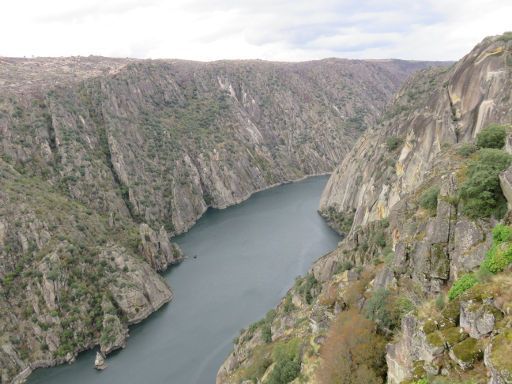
<point x="418" y="197"/>
<point x="103" y="160"/>
<point x="437" y="108"/>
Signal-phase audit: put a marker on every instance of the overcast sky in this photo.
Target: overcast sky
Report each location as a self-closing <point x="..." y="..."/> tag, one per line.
<point x="240" y="29"/>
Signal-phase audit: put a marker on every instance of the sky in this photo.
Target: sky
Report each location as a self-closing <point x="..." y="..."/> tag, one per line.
<point x="284" y="30"/>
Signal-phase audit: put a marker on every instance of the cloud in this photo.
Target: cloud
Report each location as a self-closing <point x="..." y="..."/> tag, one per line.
<point x="265" y="29"/>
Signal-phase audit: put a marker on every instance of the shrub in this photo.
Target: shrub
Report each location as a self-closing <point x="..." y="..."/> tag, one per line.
<point x="467" y="149"/>
<point x="287" y="361"/>
<point x="492" y="137"/>
<point x="507" y="36"/>
<point x="266" y="333"/>
<point x="393" y="143"/>
<point x="499" y="256"/>
<point x="461" y="285"/>
<point x="288" y="304"/>
<point x="481" y="192"/>
<point x="428" y="199"/>
<point x="383" y="309"/>
<point x="502" y="233"/>
<point x="344" y="266"/>
<point x="352" y="352"/>
<point x="307" y="288"/>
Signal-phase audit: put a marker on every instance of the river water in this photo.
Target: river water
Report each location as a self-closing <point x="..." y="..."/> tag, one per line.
<point x="241" y="261"/>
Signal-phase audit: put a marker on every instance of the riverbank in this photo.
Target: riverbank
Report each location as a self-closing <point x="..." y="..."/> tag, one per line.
<point x="227" y="287"/>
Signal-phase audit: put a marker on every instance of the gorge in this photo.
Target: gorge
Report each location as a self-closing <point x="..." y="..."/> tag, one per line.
<point x="106" y="163"/>
<point x="104" y="160"/>
<point x="241" y="261"/>
<point x="419" y="289"/>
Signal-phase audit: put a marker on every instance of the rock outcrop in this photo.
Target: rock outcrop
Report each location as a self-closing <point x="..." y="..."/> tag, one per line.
<point x="436" y="108"/>
<point x="99" y="362"/>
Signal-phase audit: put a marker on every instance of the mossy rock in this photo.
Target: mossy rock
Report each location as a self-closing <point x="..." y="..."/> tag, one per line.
<point x="444" y="323"/>
<point x="498" y="315"/>
<point x="452" y="311"/>
<point x="435" y="339"/>
<point x="454" y="335"/>
<point x="440" y="261"/>
<point x="429" y="326"/>
<point x="479" y="293"/>
<point x="468" y="351"/>
<point x="418" y="370"/>
<point x="438" y="323"/>
<point x="501" y="351"/>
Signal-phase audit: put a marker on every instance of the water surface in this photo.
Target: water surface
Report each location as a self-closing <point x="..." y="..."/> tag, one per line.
<point x="247" y="258"/>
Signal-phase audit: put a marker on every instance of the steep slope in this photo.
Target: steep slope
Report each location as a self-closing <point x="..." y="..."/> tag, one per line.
<point x="70" y="278"/>
<point x="403" y="197"/>
<point x="217" y="131"/>
<point x="440" y="107"/>
<point x="103" y="160"/>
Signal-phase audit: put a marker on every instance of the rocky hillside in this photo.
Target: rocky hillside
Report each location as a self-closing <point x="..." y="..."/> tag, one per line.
<point x="419" y="290"/>
<point x="103" y="160"/>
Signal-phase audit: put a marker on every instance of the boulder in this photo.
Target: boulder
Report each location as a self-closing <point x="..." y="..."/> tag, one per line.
<point x="466" y="353"/>
<point x="497" y="358"/>
<point x="478" y="319"/>
<point x="412" y="346"/>
<point x="99" y="362"/>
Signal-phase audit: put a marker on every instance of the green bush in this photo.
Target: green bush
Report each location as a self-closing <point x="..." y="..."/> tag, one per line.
<point x="492" y="137"/>
<point x="507" y="36"/>
<point x="467" y="149"/>
<point x="502" y="233"/>
<point x="266" y="333"/>
<point x="307" y="287"/>
<point x="499" y="256"/>
<point x="428" y="199"/>
<point x="382" y="309"/>
<point x="288" y="304"/>
<point x="481" y="192"/>
<point x="287" y="363"/>
<point x="461" y="285"/>
<point x="393" y="143"/>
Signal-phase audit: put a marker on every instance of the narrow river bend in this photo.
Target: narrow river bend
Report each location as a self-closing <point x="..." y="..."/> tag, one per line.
<point x="247" y="257"/>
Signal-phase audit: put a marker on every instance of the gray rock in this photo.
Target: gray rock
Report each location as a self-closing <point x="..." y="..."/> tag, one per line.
<point x="498" y="374"/>
<point x="385" y="278"/>
<point x="99" y="362"/>
<point x="477" y="319"/>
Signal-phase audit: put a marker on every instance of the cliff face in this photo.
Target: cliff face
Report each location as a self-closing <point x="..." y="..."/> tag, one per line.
<point x="103" y="160"/>
<point x="176" y="137"/>
<point x="409" y="237"/>
<point x="436" y="108"/>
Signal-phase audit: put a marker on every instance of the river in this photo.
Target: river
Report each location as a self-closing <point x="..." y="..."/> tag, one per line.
<point x="241" y="261"/>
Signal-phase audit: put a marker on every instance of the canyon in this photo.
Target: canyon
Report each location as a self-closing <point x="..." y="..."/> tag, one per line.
<point x="103" y="161"/>
<point x="419" y="257"/>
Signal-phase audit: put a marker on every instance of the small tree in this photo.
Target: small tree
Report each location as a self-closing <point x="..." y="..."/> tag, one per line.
<point x="287" y="361"/>
<point x="481" y="192"/>
<point x="492" y="137"/>
<point x="428" y="199"/>
<point x="461" y="285"/>
<point x="352" y="352"/>
<point x="393" y="143"/>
